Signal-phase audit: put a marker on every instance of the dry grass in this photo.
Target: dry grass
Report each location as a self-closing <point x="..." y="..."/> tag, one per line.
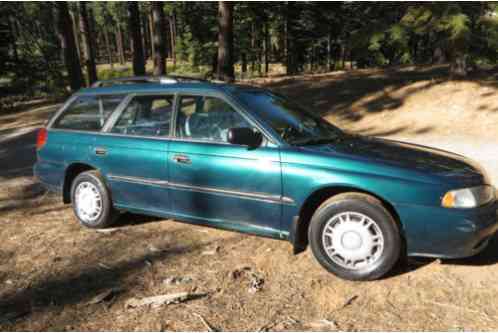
<point x="51" y="268"/>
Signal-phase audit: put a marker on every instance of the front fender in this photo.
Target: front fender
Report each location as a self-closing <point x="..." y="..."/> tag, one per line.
<point x="301" y="179"/>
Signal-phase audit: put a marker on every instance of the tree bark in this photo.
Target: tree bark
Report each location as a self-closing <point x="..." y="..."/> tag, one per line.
<point x="266" y="47"/>
<point x="145" y="39"/>
<point x="12" y="25"/>
<point x="66" y="37"/>
<point x="88" y="49"/>
<point x="136" y="39"/>
<point x="151" y="31"/>
<point x="330" y="62"/>
<point x="120" y="44"/>
<point x="458" y="65"/>
<point x="159" y="42"/>
<point x="244" y="64"/>
<point x="172" y="28"/>
<point x="438" y="56"/>
<point x="225" y="71"/>
<point x="74" y="22"/>
<point x="108" y="48"/>
<point x="253" y="49"/>
<point x="291" y="63"/>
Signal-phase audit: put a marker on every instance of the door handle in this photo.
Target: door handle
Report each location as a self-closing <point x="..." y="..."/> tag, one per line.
<point x="182" y="159"/>
<point x="100" y="151"/>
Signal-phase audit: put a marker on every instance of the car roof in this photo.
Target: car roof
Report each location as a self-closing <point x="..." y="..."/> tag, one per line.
<point x="151" y="87"/>
<point x="162" y="87"/>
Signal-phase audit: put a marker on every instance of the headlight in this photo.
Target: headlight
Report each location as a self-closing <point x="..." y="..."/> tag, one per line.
<point x="469" y="197"/>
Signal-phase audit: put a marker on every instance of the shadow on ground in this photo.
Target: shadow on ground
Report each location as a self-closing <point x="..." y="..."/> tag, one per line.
<point x="372" y="91"/>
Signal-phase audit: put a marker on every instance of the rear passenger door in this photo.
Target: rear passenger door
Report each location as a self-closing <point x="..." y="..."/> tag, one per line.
<point x="132" y="153"/>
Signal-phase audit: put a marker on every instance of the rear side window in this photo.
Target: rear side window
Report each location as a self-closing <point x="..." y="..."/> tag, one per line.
<point x="146" y="116"/>
<point x="88" y="113"/>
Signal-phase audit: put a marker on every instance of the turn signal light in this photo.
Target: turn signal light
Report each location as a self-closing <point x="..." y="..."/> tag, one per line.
<point x="448" y="200"/>
<point x="41" y="139"/>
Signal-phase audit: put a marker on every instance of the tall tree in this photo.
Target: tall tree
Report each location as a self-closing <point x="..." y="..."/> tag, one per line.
<point x="76" y="30"/>
<point x="225" y="71"/>
<point x="290" y="13"/>
<point x="136" y="38"/>
<point x="120" y="44"/>
<point x="172" y="29"/>
<point x="87" y="38"/>
<point x="68" y="45"/>
<point x="159" y="40"/>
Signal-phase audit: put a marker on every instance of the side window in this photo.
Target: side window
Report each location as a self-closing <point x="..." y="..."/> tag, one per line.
<point x="146" y="116"/>
<point x="88" y="113"/>
<point x="207" y="118"/>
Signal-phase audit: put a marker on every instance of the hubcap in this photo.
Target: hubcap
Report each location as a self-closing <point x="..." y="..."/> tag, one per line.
<point x="352" y="240"/>
<point x="88" y="202"/>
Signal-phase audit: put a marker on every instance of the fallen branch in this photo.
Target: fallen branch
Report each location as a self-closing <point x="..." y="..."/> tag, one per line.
<point x="156" y="301"/>
<point x="205" y="322"/>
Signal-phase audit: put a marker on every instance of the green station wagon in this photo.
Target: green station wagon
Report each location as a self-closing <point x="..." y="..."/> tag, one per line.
<point x="248" y="159"/>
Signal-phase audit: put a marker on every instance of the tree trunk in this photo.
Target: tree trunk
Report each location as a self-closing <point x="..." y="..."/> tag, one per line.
<point x="253" y="49"/>
<point x="97" y="39"/>
<point x="290" y="55"/>
<point x="136" y="39"/>
<point x="145" y="39"/>
<point x="266" y="46"/>
<point x="12" y="25"/>
<point x="458" y="65"/>
<point x="343" y="56"/>
<point x="172" y="28"/>
<point x="330" y="63"/>
<point x="108" y="48"/>
<point x="151" y="31"/>
<point x="66" y="36"/>
<point x="438" y="56"/>
<point x="244" y="64"/>
<point x="88" y="50"/>
<point x="351" y="65"/>
<point x="159" y="42"/>
<point x="225" y="71"/>
<point x="120" y="44"/>
<point x="76" y="32"/>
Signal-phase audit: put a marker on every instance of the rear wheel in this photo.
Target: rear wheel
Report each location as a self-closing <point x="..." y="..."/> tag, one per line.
<point x="353" y="236"/>
<point x="91" y="201"/>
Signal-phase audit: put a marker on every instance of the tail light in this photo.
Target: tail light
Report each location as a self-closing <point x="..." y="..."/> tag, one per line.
<point x="41" y="139"/>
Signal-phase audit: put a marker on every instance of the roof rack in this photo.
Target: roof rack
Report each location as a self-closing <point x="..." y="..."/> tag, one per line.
<point x="168" y="79"/>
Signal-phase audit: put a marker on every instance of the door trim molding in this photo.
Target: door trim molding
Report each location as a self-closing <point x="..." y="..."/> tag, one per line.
<point x="259" y="196"/>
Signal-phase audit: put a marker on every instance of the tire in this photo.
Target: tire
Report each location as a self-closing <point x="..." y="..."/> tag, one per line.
<point x="347" y="219"/>
<point x="99" y="213"/>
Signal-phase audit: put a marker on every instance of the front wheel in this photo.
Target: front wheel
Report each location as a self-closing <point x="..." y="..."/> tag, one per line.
<point x="353" y="236"/>
<point x="91" y="201"/>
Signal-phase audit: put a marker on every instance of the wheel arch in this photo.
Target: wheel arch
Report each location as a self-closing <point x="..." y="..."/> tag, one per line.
<point x="73" y="170"/>
<point x="300" y="224"/>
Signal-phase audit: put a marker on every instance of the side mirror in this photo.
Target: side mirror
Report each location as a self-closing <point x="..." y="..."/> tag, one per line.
<point x="244" y="136"/>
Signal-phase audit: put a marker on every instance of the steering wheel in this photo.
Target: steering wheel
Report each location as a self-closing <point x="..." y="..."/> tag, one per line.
<point x="202" y="129"/>
<point x="287" y="133"/>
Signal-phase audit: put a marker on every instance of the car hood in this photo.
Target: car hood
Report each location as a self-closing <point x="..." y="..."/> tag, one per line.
<point x="424" y="159"/>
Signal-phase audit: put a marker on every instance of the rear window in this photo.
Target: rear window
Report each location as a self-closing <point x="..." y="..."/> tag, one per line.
<point x="88" y="113"/>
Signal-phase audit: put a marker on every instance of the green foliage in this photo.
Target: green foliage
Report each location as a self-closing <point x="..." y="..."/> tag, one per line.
<point x="302" y="36"/>
<point x="36" y="68"/>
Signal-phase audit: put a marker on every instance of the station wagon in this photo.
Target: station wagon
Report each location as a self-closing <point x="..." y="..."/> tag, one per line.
<point x="251" y="160"/>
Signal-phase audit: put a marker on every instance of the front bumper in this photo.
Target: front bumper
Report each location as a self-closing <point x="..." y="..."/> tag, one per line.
<point x="449" y="233"/>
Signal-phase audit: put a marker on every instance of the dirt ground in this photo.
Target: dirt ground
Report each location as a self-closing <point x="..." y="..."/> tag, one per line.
<point x="56" y="275"/>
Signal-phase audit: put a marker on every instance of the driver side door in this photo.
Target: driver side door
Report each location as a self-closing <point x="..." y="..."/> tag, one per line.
<point x="217" y="183"/>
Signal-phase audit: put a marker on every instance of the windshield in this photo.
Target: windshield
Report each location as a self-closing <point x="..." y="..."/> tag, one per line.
<point x="293" y="124"/>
